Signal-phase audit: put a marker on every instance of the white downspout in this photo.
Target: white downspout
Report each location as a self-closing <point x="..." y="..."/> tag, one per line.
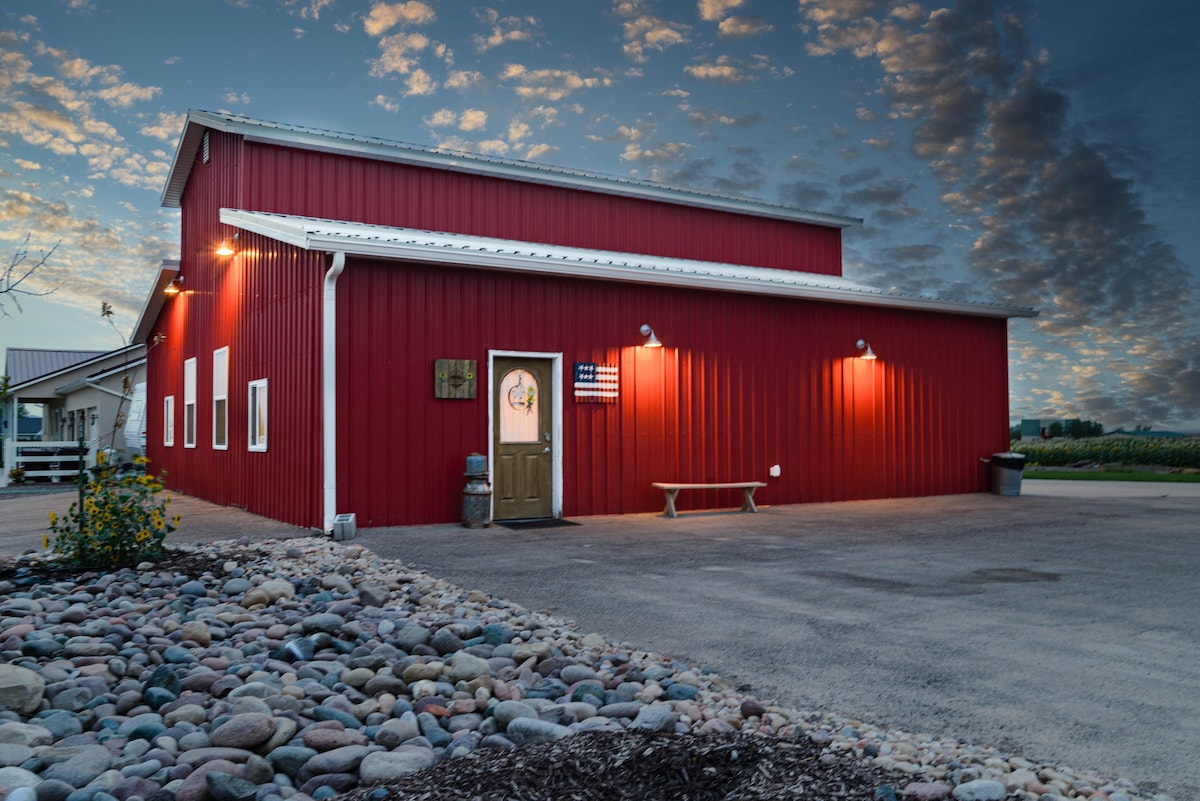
<point x="329" y="387"/>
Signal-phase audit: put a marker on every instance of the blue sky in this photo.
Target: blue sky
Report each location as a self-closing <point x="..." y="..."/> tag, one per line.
<point x="1034" y="153"/>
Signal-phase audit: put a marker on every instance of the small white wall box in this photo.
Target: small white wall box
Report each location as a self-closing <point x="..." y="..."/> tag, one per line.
<point x="344" y="526"/>
<point x="776" y="471"/>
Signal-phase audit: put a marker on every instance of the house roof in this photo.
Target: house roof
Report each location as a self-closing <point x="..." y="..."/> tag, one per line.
<point x="442" y="158"/>
<point x="26" y="364"/>
<point x="90" y="364"/>
<point x="406" y="244"/>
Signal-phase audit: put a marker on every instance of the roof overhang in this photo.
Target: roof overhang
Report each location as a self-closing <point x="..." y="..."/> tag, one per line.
<point x="459" y="250"/>
<point x="91" y="380"/>
<point x="440" y="158"/>
<point x="153" y="304"/>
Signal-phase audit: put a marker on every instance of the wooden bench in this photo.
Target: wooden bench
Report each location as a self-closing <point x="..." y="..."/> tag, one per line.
<point x="747" y="488"/>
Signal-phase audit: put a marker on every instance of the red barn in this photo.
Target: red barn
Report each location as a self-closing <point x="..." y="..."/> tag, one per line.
<point x="381" y="311"/>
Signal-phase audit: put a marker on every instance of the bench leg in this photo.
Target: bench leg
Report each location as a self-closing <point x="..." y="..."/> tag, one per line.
<point x="670" y="510"/>
<point x="748" y="500"/>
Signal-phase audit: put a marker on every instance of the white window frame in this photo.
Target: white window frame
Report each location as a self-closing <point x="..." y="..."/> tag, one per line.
<point x="259" y="404"/>
<point x="189" y="403"/>
<point x="220" y="399"/>
<point x="169" y="420"/>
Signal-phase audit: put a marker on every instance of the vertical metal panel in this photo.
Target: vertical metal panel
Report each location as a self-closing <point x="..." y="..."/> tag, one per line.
<point x="340" y="187"/>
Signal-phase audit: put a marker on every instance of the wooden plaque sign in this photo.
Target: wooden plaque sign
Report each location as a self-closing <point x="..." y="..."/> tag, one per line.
<point x="454" y="378"/>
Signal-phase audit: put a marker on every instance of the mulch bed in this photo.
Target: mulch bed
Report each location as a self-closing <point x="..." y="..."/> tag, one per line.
<point x="611" y="766"/>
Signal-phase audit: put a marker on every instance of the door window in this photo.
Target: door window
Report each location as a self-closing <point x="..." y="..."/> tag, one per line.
<point x="519" y="405"/>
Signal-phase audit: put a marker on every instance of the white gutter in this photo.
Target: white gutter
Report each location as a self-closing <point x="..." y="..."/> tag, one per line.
<point x="329" y="387"/>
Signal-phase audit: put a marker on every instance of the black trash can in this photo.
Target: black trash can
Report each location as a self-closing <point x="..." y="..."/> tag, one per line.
<point x="1004" y="473"/>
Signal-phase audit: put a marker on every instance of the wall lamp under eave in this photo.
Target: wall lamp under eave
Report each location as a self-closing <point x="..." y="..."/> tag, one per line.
<point x="227" y="249"/>
<point x="174" y="288"/>
<point x="651" y="339"/>
<point x="867" y="354"/>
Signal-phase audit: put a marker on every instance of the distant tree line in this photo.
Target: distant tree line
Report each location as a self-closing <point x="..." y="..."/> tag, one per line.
<point x="1071" y="429"/>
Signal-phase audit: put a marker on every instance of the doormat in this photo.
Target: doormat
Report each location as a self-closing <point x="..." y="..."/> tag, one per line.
<point x="537" y="522"/>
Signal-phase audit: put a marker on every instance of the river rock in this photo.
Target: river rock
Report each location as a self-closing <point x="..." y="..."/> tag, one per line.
<point x="21" y="689"/>
<point x="533" y="730"/>
<point x="980" y="790"/>
<point x="655" y="718"/>
<point x="383" y="766"/>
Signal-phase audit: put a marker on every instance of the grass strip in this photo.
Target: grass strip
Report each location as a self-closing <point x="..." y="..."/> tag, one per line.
<point x="1112" y="475"/>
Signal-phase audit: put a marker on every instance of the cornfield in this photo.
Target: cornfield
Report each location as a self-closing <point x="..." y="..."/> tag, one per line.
<point x="1112" y="450"/>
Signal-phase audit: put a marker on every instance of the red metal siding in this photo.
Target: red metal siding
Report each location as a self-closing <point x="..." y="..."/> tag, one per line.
<point x="290" y="181"/>
<point x="264" y="304"/>
<point x="743" y="383"/>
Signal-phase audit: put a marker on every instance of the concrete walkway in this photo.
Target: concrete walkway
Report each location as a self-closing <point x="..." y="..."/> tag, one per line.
<point x="1060" y="625"/>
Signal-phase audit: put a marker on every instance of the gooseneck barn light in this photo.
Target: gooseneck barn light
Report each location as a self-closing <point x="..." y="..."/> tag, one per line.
<point x="867" y="353"/>
<point x="227" y="249"/>
<point x="174" y="288"/>
<point x="651" y="340"/>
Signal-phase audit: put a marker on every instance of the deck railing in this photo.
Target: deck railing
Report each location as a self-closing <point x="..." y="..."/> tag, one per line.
<point x="49" y="459"/>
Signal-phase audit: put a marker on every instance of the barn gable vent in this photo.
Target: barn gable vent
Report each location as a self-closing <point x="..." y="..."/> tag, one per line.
<point x="204" y="147"/>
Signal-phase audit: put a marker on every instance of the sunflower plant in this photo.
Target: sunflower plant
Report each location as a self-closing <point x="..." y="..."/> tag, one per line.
<point x="118" y="521"/>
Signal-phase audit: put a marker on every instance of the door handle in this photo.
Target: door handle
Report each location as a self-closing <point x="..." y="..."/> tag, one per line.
<point x="546" y="449"/>
<point x="546" y="436"/>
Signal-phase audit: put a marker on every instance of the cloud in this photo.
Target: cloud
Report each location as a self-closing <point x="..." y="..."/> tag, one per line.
<point x="644" y="31"/>
<point x="493" y="147"/>
<point x="1061" y="224"/>
<point x="744" y="173"/>
<point x="385" y="16"/>
<point x="473" y="119"/>
<point x="743" y="27"/>
<point x="233" y="98"/>
<point x="504" y="30"/>
<point x="713" y="10"/>
<point x="548" y="84"/>
<point x="538" y="151"/>
<point x="126" y="94"/>
<point x="805" y="194"/>
<point x="307" y="9"/>
<point x="396" y="54"/>
<point x="386" y="103"/>
<point x="461" y="80"/>
<point x="657" y="154"/>
<point x="419" y="83"/>
<point x="707" y="118"/>
<point x="723" y="70"/>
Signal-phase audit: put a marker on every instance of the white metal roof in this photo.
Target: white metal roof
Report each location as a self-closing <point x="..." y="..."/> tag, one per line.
<point x="28" y="364"/>
<point x="446" y="159"/>
<point x="407" y="244"/>
<point x="57" y="365"/>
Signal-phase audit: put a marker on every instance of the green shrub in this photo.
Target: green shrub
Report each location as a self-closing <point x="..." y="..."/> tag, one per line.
<point x="118" y="521"/>
<point x="1112" y="450"/>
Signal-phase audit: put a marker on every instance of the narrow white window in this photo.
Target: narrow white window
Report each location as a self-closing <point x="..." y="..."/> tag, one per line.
<point x="258" y="415"/>
<point x="189" y="403"/>
<point x="169" y="420"/>
<point x="220" y="432"/>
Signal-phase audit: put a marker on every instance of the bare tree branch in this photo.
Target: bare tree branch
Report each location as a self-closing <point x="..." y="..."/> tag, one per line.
<point x="20" y="267"/>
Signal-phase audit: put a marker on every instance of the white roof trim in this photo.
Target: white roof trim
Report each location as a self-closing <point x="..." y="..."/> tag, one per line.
<point x="460" y="161"/>
<point x="407" y="244"/>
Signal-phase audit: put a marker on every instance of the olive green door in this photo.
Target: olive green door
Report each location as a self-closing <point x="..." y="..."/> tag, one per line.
<point x="523" y="452"/>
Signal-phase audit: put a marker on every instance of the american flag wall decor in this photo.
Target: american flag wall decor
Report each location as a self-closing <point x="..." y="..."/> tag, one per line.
<point x="596" y="383"/>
